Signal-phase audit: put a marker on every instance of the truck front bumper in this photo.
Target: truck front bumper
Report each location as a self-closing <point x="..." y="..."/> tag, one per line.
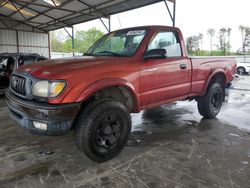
<point x="56" y="119"/>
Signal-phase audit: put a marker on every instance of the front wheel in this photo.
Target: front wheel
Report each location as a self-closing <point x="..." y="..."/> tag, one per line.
<point x="210" y="104"/>
<point x="103" y="131"/>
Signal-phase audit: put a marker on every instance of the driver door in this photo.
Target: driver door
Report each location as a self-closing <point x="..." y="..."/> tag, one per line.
<point x="168" y="79"/>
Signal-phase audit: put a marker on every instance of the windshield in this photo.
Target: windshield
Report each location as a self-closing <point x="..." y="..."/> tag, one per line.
<point x="6" y="63"/>
<point x="3" y="63"/>
<point x="6" y="66"/>
<point x="119" y="43"/>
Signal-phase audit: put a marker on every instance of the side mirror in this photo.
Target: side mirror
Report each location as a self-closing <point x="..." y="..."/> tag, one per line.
<point x="155" y="54"/>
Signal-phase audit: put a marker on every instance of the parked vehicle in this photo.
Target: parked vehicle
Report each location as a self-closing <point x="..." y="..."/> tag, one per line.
<point x="125" y="71"/>
<point x="10" y="62"/>
<point x="243" y="68"/>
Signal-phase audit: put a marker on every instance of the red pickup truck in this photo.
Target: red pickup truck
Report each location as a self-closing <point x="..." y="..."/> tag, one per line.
<point x="124" y="72"/>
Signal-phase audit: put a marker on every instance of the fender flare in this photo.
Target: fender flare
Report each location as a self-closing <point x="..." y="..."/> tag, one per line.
<point x="110" y="82"/>
<point x="209" y="78"/>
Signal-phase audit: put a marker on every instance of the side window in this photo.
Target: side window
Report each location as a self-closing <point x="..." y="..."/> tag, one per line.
<point x="169" y="41"/>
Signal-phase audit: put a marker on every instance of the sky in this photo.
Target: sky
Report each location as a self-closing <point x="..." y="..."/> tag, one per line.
<point x="192" y="17"/>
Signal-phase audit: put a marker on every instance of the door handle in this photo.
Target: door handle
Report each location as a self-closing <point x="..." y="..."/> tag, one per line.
<point x="183" y="66"/>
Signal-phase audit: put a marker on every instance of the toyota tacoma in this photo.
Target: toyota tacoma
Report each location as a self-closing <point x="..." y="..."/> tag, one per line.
<point x="124" y="72"/>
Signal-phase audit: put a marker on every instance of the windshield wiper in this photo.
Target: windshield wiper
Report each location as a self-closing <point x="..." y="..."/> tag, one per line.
<point x="111" y="53"/>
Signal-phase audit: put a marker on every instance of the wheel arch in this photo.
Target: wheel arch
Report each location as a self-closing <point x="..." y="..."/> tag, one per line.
<point x="218" y="76"/>
<point x="110" y="88"/>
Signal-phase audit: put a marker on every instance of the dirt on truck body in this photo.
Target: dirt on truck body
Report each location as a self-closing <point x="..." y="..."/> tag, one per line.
<point x="124" y="72"/>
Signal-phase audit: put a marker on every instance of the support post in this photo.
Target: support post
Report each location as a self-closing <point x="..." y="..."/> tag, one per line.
<point x="49" y="45"/>
<point x="17" y="42"/>
<point x="172" y="15"/>
<point x="73" y="41"/>
<point x="108" y="28"/>
<point x="72" y="36"/>
<point x="109" y="23"/>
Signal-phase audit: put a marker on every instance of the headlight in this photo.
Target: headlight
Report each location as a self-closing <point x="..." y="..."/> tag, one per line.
<point x="41" y="89"/>
<point x="48" y="89"/>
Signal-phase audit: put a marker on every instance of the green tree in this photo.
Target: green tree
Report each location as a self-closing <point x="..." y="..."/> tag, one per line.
<point x="200" y="38"/>
<point x="211" y="33"/>
<point x="242" y="30"/>
<point x="245" y="34"/>
<point x="229" y="40"/>
<point x="193" y="44"/>
<point x="67" y="45"/>
<point x="56" y="45"/>
<point x="85" y="39"/>
<point x="222" y="41"/>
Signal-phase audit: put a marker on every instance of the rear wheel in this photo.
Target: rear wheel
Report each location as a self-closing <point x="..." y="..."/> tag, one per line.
<point x="103" y="130"/>
<point x="210" y="104"/>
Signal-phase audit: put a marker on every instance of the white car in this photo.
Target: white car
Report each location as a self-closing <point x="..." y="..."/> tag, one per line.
<point x="243" y="68"/>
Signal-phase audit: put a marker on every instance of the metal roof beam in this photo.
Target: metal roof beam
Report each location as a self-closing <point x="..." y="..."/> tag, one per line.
<point x="22" y="7"/>
<point x="18" y="10"/>
<point x="4" y="23"/>
<point x="31" y="22"/>
<point x="54" y="3"/>
<point x="91" y="7"/>
<point x="39" y="14"/>
<point x="44" y="15"/>
<point x="20" y="22"/>
<point x="106" y="27"/>
<point x="50" y="7"/>
<point x="67" y="32"/>
<point x="3" y="3"/>
<point x="89" y="12"/>
<point x="79" y="12"/>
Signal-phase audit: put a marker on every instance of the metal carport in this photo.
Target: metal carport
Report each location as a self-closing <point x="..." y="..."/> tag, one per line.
<point x="24" y="24"/>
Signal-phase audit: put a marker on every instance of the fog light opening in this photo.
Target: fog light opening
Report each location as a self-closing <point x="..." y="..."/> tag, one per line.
<point x="41" y="126"/>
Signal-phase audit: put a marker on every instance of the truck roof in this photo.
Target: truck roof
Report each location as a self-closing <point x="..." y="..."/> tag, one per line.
<point x="20" y="54"/>
<point x="149" y="27"/>
<point x="17" y="54"/>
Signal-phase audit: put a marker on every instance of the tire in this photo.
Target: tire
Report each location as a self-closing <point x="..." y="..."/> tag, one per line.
<point x="241" y="70"/>
<point x="102" y="129"/>
<point x="210" y="104"/>
<point x="2" y="92"/>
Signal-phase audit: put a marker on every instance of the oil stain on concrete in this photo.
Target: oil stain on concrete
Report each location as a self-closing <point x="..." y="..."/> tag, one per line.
<point x="170" y="146"/>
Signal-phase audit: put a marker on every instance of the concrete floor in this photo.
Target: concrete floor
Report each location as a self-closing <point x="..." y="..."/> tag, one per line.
<point x="171" y="146"/>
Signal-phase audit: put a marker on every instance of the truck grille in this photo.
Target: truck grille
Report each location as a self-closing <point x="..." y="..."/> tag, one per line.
<point x="18" y="84"/>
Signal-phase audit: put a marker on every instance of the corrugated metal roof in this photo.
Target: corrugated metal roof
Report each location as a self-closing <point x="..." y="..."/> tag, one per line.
<point x="47" y="15"/>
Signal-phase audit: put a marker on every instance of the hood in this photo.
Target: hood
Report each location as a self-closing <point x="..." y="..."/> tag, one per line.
<point x="58" y="67"/>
